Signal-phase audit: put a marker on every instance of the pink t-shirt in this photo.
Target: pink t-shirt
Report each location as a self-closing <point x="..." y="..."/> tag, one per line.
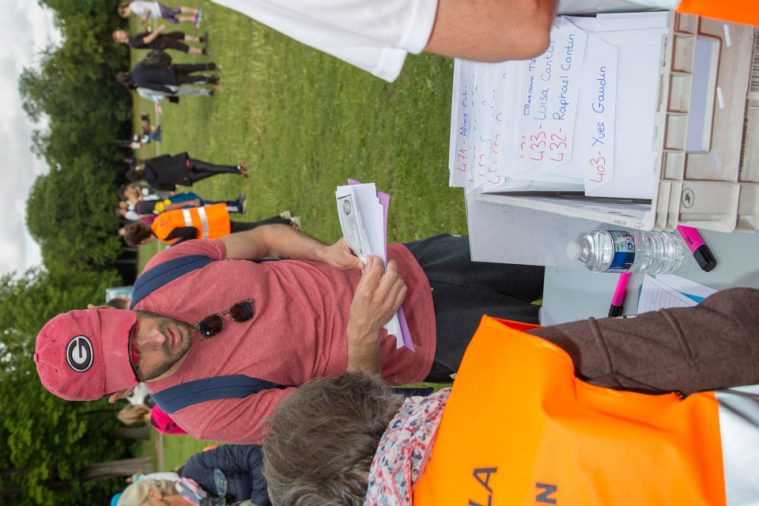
<point x="298" y="332"/>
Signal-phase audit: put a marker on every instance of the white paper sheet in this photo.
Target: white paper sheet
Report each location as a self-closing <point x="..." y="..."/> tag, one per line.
<point x="362" y="212"/>
<point x="668" y="291"/>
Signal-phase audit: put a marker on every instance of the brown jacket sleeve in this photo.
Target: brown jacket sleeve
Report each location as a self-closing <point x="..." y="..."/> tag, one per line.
<point x="710" y="346"/>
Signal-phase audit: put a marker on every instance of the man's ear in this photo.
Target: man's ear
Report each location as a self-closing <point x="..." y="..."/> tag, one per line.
<point x="115" y="396"/>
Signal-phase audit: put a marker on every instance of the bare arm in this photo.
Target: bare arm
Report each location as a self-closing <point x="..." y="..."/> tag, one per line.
<point x="284" y="241"/>
<point x="505" y="29"/>
<point x="153" y="35"/>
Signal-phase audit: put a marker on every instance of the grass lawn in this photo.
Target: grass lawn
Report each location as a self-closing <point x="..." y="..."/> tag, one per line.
<point x="305" y="122"/>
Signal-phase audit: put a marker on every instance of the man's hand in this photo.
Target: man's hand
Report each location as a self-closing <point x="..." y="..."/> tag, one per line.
<point x="378" y="297"/>
<point x="339" y="255"/>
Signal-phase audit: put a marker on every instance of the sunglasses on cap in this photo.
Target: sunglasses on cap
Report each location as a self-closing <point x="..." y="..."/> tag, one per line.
<point x="213" y="324"/>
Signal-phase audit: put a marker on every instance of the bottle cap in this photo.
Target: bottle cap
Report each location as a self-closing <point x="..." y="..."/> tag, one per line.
<point x="573" y="250"/>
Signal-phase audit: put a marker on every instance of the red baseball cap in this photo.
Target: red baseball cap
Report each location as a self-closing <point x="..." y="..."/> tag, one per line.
<point x="83" y="355"/>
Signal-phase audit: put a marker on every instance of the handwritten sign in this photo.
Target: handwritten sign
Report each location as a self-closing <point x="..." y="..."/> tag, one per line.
<point x="549" y="123"/>
<point x="549" y="100"/>
<point x="462" y="116"/>
<point x="479" y="124"/>
<point x="597" y="119"/>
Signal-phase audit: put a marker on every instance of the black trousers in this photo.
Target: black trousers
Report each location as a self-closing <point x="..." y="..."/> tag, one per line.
<point x="198" y="169"/>
<point x="462" y="291"/>
<point x="182" y="73"/>
<point x="171" y="40"/>
<point x="239" y="226"/>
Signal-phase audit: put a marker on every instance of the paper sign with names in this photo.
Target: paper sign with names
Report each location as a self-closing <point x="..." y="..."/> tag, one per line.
<point x="597" y="119"/>
<point x="552" y="123"/>
<point x="462" y="144"/>
<point x="483" y="167"/>
<point x="501" y="111"/>
<point x="549" y="101"/>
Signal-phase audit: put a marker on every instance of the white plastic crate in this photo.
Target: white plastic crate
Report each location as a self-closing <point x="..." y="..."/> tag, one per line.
<point x="716" y="186"/>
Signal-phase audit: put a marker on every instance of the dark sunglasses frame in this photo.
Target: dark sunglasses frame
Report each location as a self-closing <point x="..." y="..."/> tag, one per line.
<point x="134" y="359"/>
<point x="211" y="325"/>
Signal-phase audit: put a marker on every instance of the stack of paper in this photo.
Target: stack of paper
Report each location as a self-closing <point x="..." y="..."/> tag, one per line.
<point x="579" y="118"/>
<point x="362" y="211"/>
<point x="668" y="290"/>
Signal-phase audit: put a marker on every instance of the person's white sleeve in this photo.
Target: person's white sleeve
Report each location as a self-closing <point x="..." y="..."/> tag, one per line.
<point x="374" y="35"/>
<point x="151" y="95"/>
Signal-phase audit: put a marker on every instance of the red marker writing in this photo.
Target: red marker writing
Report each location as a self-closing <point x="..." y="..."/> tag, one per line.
<point x="698" y="247"/>
<point x="618" y="301"/>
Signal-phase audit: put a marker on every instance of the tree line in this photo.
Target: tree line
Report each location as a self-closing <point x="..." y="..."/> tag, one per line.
<point x="49" y="448"/>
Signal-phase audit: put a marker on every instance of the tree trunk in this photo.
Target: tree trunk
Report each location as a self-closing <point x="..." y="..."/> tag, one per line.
<point x="116" y="468"/>
<point x="130" y="433"/>
<point x="7" y="473"/>
<point x="12" y="492"/>
<point x="100" y="410"/>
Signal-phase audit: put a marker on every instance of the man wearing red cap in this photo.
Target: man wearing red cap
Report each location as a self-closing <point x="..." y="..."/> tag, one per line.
<point x="282" y="323"/>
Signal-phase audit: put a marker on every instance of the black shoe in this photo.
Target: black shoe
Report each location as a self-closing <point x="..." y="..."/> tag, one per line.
<point x="212" y="80"/>
<point x="204" y="38"/>
<point x="204" y="51"/>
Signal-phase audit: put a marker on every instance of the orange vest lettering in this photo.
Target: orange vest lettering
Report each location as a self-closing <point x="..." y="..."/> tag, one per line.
<point x="210" y="222"/>
<point x="521" y="429"/>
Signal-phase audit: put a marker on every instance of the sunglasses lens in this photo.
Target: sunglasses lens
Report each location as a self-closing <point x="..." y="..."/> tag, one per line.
<point x="211" y="325"/>
<point x="242" y="311"/>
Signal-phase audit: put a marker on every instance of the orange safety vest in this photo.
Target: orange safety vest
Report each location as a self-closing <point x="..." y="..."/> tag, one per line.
<point x="736" y="11"/>
<point x="521" y="429"/>
<point x="210" y="222"/>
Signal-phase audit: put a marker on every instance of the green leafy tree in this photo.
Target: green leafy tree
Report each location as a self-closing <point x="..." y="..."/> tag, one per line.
<point x="70" y="210"/>
<point x="46" y="443"/>
<point x="48" y="446"/>
<point x="70" y="214"/>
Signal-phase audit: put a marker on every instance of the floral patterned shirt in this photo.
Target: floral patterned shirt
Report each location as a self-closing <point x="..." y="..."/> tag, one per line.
<point x="404" y="450"/>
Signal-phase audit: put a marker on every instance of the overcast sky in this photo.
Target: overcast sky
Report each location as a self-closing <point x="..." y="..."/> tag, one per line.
<point x="26" y="29"/>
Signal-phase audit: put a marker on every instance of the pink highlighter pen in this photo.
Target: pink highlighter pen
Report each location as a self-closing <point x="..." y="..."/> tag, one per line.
<point x="698" y="247"/>
<point x="618" y="301"/>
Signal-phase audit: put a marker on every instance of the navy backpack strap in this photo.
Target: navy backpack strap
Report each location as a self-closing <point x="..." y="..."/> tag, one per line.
<point x="234" y="386"/>
<point x="164" y="273"/>
<point x="178" y="397"/>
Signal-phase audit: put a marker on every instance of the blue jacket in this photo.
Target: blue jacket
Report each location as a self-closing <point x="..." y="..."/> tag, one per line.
<point x="234" y="471"/>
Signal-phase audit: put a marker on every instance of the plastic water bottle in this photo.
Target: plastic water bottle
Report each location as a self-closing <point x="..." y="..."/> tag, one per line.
<point x="628" y="251"/>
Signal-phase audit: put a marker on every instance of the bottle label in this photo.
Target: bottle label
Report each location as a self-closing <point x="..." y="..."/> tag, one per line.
<point x="624" y="250"/>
